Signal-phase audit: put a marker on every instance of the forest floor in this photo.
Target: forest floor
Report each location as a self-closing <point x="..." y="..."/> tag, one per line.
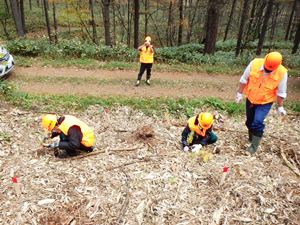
<point x="50" y="80"/>
<point x="138" y="173"/>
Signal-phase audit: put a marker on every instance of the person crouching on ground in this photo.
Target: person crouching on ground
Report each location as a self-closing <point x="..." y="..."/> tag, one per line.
<point x="74" y="135"/>
<point x="198" y="132"/>
<point x="146" y="60"/>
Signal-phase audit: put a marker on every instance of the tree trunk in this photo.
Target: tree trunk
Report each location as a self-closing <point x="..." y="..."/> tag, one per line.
<point x="91" y="6"/>
<point x="288" y="28"/>
<point x="274" y="21"/>
<point x="128" y="24"/>
<point x="17" y="18"/>
<point x="250" y="25"/>
<point x="105" y="13"/>
<point x="38" y="3"/>
<point x="30" y="5"/>
<point x="21" y="3"/>
<point x="191" y="20"/>
<point x="297" y="39"/>
<point x="170" y="22"/>
<point x="242" y="25"/>
<point x="180" y="26"/>
<point x="212" y="22"/>
<point x="47" y="20"/>
<point x="54" y="22"/>
<point x="136" y="24"/>
<point x="229" y="20"/>
<point x="264" y="27"/>
<point x="146" y="17"/>
<point x="114" y="22"/>
<point x="259" y="18"/>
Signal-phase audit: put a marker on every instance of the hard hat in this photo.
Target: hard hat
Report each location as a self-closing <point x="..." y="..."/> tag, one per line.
<point x="49" y="121"/>
<point x="148" y="38"/>
<point x="273" y="60"/>
<point x="205" y="119"/>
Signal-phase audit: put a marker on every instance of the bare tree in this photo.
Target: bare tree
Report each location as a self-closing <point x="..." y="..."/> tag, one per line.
<point x="136" y="24"/>
<point x="93" y="23"/>
<point x="17" y="17"/>
<point x="242" y="25"/>
<point x="21" y="8"/>
<point x="54" y="21"/>
<point x="296" y="40"/>
<point x="212" y="23"/>
<point x="180" y="26"/>
<point x="47" y="20"/>
<point x="230" y="19"/>
<point x="264" y="27"/>
<point x="106" y="21"/>
<point x="170" y="24"/>
<point x="146" y="17"/>
<point x="288" y="28"/>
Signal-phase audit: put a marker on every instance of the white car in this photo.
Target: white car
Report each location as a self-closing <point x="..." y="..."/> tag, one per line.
<point x="6" y="62"/>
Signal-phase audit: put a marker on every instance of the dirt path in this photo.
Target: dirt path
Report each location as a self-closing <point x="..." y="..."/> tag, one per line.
<point x="82" y="82"/>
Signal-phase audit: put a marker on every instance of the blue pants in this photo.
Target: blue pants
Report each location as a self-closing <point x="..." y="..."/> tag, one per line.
<point x="255" y="117"/>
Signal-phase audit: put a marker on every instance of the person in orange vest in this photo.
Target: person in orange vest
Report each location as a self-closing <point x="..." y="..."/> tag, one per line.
<point x="146" y="59"/>
<point x="264" y="81"/>
<point x="74" y="135"/>
<point x="198" y="132"/>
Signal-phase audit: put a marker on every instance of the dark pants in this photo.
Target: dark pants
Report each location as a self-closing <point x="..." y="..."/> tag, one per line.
<point x="255" y="117"/>
<point x="206" y="141"/>
<point x="74" y="152"/>
<point x="145" y="66"/>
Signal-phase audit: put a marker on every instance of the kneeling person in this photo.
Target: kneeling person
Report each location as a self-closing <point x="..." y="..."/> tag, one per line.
<point x="198" y="132"/>
<point x="74" y="135"/>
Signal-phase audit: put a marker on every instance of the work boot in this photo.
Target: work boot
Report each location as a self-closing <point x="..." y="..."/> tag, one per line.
<point x="60" y="153"/>
<point x="254" y="144"/>
<point x="249" y="136"/>
<point x="148" y="82"/>
<point x="137" y="83"/>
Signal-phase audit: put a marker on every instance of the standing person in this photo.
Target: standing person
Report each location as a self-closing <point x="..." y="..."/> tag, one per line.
<point x="146" y="60"/>
<point x="264" y="81"/>
<point x="74" y="135"/>
<point x="198" y="132"/>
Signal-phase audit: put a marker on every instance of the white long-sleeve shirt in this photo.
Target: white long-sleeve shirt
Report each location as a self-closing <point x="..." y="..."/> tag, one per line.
<point x="281" y="89"/>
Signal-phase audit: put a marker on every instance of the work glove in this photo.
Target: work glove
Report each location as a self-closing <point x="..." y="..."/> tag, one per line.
<point x="54" y="145"/>
<point x="196" y="148"/>
<point x="281" y="111"/>
<point x="238" y="97"/>
<point x="186" y="148"/>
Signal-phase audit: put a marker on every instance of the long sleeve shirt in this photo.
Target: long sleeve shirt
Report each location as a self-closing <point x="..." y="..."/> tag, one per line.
<point x="197" y="139"/>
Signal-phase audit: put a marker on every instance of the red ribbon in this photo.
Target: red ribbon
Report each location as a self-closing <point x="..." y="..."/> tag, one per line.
<point x="14" y="180"/>
<point x="225" y="169"/>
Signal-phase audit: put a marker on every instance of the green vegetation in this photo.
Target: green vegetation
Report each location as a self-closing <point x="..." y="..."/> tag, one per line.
<point x="152" y="106"/>
<point x="185" y="58"/>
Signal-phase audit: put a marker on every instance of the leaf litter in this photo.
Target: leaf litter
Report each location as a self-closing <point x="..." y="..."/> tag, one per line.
<point x="138" y="175"/>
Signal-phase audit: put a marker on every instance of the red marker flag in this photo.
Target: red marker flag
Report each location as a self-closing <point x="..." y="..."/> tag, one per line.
<point x="225" y="169"/>
<point x="14" y="180"/>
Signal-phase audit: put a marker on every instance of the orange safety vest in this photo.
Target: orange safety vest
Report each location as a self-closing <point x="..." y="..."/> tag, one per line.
<point x="146" y="56"/>
<point x="196" y="127"/>
<point x="88" y="139"/>
<point x="262" y="89"/>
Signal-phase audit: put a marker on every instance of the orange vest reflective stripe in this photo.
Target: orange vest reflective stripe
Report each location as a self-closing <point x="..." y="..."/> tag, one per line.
<point x="146" y="56"/>
<point x="88" y="139"/>
<point x="195" y="127"/>
<point x="262" y="89"/>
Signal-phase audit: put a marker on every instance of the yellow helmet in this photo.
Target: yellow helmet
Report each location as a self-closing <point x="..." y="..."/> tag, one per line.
<point x="273" y="60"/>
<point x="148" y="38"/>
<point x="205" y="120"/>
<point x="49" y="121"/>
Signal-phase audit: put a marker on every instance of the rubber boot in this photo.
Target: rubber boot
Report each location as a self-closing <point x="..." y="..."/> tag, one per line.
<point x="249" y="136"/>
<point x="254" y="144"/>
